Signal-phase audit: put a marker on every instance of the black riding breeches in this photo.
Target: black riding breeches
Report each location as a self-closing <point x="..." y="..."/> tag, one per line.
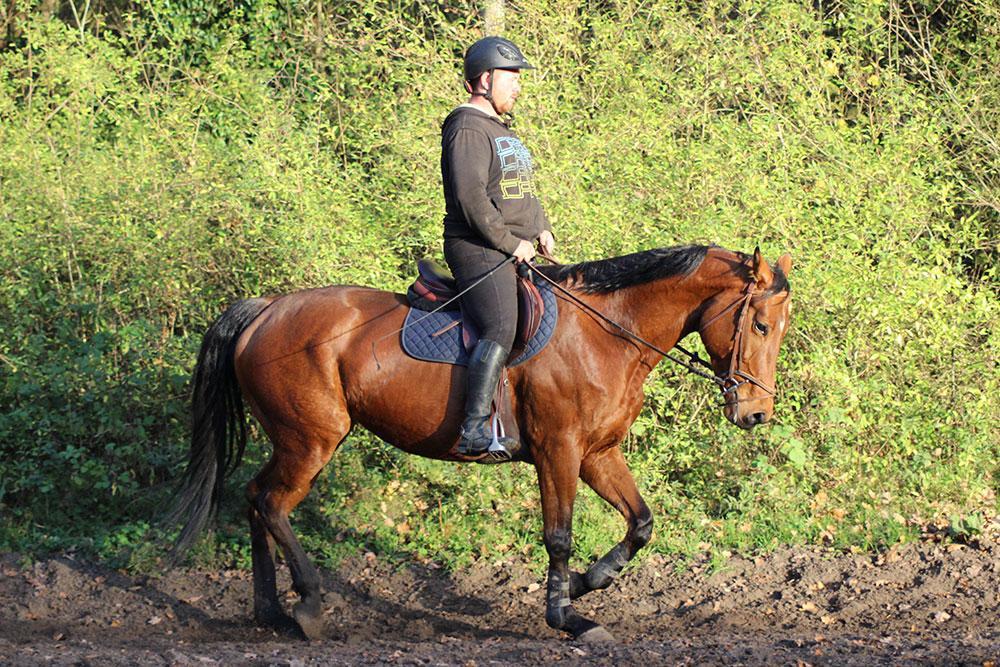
<point x="492" y="304"/>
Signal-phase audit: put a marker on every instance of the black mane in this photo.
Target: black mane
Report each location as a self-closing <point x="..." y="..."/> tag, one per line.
<point x="608" y="275"/>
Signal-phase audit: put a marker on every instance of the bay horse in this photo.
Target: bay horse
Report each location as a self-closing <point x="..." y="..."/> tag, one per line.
<point x="305" y="365"/>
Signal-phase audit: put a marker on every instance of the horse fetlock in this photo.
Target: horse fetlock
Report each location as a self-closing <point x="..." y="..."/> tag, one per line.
<point x="563" y="617"/>
<point x="600" y="575"/>
<point x="598" y="580"/>
<point x="558" y="611"/>
<point x="310" y="594"/>
<point x="268" y="615"/>
<point x="642" y="532"/>
<point x="577" y="585"/>
<point x="560" y="615"/>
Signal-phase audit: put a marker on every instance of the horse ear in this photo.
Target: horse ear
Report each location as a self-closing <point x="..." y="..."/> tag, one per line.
<point x="785" y="264"/>
<point x="760" y="271"/>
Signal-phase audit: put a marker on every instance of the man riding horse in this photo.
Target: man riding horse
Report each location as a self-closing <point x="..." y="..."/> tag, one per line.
<point x="491" y="214"/>
<point x="305" y="365"/>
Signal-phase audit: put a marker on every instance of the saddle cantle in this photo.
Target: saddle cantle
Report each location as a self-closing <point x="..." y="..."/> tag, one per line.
<point x="435" y="285"/>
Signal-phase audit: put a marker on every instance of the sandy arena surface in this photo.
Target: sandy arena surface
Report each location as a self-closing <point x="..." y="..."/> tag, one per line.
<point x="921" y="603"/>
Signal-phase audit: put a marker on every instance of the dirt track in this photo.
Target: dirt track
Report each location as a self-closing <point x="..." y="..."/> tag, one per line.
<point x="921" y="603"/>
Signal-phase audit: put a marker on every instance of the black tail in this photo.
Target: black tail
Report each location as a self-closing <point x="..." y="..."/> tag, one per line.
<point x="218" y="430"/>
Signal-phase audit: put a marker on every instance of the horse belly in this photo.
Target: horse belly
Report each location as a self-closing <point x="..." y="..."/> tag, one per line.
<point x="413" y="405"/>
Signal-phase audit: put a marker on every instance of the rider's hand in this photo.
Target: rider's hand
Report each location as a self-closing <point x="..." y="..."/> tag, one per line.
<point x="547" y="242"/>
<point x="524" y="251"/>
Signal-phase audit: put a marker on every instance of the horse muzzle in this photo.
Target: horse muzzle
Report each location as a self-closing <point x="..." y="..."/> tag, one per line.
<point x="746" y="420"/>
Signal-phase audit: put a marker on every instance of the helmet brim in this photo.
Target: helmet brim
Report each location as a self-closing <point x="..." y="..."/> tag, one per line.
<point x="517" y="68"/>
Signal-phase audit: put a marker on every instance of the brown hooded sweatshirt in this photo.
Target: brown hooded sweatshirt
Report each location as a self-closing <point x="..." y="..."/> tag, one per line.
<point x="489" y="191"/>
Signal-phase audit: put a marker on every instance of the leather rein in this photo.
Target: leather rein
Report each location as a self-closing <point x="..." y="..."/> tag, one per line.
<point x="728" y="383"/>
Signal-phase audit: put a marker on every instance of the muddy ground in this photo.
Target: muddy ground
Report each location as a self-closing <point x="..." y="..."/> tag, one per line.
<point x="924" y="603"/>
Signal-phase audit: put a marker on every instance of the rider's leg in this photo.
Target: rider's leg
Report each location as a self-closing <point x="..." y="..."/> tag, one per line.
<point x="485" y="368"/>
<point x="492" y="306"/>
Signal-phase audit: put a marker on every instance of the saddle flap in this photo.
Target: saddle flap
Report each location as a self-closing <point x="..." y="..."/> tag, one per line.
<point x="530" y="309"/>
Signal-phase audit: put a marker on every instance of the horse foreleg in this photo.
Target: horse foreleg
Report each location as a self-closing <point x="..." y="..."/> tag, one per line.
<point x="608" y="475"/>
<point x="557" y="481"/>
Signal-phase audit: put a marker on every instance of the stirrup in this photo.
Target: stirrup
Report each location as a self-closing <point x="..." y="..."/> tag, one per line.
<point x="495" y="452"/>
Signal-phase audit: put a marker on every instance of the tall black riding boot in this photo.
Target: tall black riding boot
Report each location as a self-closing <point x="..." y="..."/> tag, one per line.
<point x="485" y="366"/>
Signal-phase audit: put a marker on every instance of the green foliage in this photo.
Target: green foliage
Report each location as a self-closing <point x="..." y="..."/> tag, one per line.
<point x="169" y="158"/>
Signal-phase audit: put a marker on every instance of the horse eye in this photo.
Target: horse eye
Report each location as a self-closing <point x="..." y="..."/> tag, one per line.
<point x="760" y="327"/>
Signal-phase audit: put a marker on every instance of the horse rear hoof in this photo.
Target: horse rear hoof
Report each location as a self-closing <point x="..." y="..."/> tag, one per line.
<point x="596" y="635"/>
<point x="310" y="621"/>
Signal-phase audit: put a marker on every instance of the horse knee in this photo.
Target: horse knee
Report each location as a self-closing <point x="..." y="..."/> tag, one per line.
<point x="558" y="544"/>
<point x="642" y="529"/>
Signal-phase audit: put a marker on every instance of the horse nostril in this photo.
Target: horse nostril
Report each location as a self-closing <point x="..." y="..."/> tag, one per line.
<point x="758" y="418"/>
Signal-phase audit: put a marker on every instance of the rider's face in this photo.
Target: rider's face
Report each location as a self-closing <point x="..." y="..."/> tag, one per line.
<point x="506" y="88"/>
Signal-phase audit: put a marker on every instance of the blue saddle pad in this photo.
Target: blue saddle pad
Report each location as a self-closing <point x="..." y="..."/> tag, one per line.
<point x="420" y="342"/>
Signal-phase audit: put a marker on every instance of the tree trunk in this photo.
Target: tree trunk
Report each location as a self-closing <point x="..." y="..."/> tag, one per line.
<point x="492" y="12"/>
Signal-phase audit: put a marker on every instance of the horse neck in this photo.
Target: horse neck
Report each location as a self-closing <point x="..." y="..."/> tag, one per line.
<point x="665" y="311"/>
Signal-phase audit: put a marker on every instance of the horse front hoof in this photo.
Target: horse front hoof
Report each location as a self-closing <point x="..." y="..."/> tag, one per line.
<point x="310" y="621"/>
<point x="596" y="635"/>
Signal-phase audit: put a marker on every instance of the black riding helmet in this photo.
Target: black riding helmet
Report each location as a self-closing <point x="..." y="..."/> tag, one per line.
<point x="488" y="54"/>
<point x="493" y="53"/>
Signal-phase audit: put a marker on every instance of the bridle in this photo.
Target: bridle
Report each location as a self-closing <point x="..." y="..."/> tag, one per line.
<point x="729" y="383"/>
<point x="735" y="377"/>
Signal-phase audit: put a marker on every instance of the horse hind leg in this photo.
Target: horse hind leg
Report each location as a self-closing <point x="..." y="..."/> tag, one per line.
<point x="274" y="493"/>
<point x="266" y="605"/>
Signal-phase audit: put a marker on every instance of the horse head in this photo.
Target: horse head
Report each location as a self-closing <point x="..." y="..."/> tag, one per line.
<point x="742" y="329"/>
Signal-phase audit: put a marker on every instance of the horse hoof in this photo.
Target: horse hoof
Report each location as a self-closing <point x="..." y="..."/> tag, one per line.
<point x="310" y="621"/>
<point x="596" y="635"/>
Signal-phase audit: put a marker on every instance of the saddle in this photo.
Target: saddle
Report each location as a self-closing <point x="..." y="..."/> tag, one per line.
<point x="435" y="285"/>
<point x="436" y="331"/>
